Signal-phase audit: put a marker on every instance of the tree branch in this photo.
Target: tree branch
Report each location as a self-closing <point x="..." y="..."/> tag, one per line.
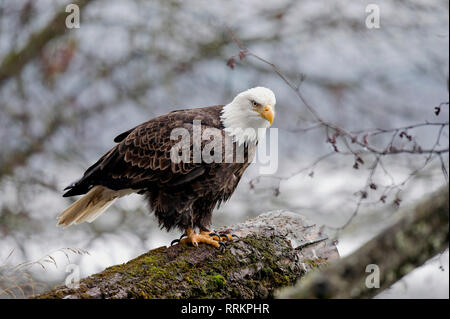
<point x="419" y="235"/>
<point x="275" y="250"/>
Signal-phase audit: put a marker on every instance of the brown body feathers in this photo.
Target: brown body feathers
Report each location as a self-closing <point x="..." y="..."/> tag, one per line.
<point x="180" y="194"/>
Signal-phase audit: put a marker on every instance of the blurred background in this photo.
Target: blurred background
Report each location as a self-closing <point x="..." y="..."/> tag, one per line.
<point x="71" y="91"/>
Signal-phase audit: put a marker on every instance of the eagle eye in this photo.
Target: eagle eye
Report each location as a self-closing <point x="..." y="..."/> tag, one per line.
<point x="255" y="104"/>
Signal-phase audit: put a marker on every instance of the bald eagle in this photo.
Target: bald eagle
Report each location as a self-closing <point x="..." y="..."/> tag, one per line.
<point x="183" y="193"/>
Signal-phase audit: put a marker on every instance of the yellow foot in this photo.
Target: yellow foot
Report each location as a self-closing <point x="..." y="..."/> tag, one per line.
<point x="194" y="239"/>
<point x="205" y="236"/>
<point x="219" y="236"/>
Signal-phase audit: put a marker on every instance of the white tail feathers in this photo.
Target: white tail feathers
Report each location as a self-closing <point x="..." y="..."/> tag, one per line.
<point x="90" y="206"/>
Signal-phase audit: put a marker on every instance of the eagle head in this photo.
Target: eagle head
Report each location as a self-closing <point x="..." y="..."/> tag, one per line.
<point x="249" y="111"/>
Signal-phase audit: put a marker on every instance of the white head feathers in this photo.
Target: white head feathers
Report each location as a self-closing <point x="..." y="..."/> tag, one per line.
<point x="249" y="111"/>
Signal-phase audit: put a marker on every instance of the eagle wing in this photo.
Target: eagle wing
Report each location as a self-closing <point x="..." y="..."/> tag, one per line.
<point x="142" y="155"/>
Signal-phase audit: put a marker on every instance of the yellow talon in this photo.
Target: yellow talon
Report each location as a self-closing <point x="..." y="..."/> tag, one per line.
<point x="194" y="239"/>
<point x="217" y="237"/>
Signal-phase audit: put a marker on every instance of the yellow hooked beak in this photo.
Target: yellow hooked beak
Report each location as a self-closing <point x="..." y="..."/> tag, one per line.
<point x="267" y="113"/>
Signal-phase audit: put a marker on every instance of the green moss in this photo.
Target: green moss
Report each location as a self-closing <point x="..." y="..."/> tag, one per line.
<point x="251" y="268"/>
<point x="312" y="263"/>
<point x="219" y="281"/>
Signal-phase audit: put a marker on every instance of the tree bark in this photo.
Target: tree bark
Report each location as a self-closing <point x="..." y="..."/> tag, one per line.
<point x="419" y="235"/>
<point x="274" y="250"/>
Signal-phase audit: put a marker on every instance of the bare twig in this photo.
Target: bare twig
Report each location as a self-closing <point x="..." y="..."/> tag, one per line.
<point x="361" y="139"/>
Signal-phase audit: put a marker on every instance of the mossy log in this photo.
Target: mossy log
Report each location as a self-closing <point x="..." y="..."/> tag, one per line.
<point x="275" y="249"/>
<point x="420" y="234"/>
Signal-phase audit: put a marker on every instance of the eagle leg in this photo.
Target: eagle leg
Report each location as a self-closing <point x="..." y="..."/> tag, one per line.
<point x="194" y="239"/>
